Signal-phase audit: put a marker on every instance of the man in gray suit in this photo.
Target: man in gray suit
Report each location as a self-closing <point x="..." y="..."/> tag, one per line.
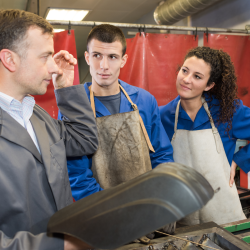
<point x="33" y="147"/>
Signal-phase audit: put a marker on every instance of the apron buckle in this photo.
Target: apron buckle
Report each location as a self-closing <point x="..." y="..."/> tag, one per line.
<point x="134" y="106"/>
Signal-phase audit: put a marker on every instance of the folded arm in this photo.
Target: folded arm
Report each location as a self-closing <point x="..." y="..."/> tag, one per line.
<point x="159" y="139"/>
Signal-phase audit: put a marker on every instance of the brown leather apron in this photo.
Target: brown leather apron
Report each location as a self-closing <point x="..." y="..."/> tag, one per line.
<point x="123" y="151"/>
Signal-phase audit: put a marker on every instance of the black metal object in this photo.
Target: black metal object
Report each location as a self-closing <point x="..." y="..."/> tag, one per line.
<point x="245" y="193"/>
<point x="209" y="234"/>
<point x="116" y="216"/>
<point x="195" y="35"/>
<point x="245" y="200"/>
<point x="144" y="30"/>
<point x="206" y="33"/>
<point x="69" y="28"/>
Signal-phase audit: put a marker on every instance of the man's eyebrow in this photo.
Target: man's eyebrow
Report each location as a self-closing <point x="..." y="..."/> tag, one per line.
<point x="47" y="53"/>
<point x="96" y="52"/>
<point x="113" y="54"/>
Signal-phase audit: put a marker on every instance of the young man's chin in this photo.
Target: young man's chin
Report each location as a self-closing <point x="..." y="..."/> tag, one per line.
<point x="104" y="83"/>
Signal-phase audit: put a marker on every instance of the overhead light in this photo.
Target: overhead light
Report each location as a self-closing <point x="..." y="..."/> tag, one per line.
<point x="65" y="14"/>
<point x="58" y="30"/>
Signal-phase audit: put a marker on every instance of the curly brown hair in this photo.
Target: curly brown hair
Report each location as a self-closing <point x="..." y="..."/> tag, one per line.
<point x="225" y="88"/>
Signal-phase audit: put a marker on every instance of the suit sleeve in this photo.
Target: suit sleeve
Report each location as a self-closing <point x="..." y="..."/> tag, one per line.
<point x="159" y="139"/>
<point x="28" y="241"/>
<point x="241" y="130"/>
<point x="77" y="127"/>
<point x="81" y="177"/>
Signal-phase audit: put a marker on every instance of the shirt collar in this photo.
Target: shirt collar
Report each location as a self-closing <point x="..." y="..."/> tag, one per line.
<point x="213" y="106"/>
<point x="9" y="103"/>
<point x="5" y="99"/>
<point x="29" y="100"/>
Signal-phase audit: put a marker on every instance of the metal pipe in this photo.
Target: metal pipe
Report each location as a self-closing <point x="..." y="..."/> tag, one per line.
<point x="149" y="26"/>
<point x="172" y="11"/>
<point x="189" y="24"/>
<point x="38" y="7"/>
<point x="27" y="5"/>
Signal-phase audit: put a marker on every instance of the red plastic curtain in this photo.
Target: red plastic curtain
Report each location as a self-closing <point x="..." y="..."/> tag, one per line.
<point x="153" y="61"/>
<point x="238" y="47"/>
<point x="62" y="41"/>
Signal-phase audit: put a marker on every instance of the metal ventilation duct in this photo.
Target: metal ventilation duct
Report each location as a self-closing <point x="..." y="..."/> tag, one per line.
<point x="172" y="11"/>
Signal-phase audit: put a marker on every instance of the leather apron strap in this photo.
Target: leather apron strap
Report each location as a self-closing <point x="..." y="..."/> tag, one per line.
<point x="214" y="129"/>
<point x="134" y="106"/>
<point x="92" y="100"/>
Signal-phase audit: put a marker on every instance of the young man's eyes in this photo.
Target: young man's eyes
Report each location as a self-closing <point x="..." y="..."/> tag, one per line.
<point x="100" y="56"/>
<point x="45" y="57"/>
<point x="97" y="55"/>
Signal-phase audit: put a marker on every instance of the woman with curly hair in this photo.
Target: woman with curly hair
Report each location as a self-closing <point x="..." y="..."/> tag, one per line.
<point x="204" y="122"/>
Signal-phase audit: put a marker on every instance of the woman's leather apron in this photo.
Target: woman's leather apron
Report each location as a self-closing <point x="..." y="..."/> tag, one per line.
<point x="123" y="151"/>
<point x="203" y="150"/>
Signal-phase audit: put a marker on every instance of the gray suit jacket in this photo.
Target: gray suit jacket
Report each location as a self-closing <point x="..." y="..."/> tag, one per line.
<point x="34" y="186"/>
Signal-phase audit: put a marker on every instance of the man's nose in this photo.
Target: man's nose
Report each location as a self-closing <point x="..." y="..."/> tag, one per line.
<point x="52" y="66"/>
<point x="104" y="63"/>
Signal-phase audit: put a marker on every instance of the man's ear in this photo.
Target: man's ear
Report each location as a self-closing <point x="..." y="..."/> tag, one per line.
<point x="124" y="60"/>
<point x="86" y="54"/>
<point x="9" y="59"/>
<point x="209" y="87"/>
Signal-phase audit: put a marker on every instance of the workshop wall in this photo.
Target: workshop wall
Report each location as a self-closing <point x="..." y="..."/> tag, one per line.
<point x="225" y="14"/>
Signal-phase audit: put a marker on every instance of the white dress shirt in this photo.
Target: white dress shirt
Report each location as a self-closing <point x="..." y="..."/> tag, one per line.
<point x="21" y="112"/>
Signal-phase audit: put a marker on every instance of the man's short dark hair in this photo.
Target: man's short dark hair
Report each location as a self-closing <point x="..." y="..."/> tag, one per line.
<point x="13" y="28"/>
<point x="107" y="33"/>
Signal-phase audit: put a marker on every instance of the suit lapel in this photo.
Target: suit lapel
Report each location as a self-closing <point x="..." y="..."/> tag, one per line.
<point x="16" y="133"/>
<point x="43" y="140"/>
<point x="53" y="173"/>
